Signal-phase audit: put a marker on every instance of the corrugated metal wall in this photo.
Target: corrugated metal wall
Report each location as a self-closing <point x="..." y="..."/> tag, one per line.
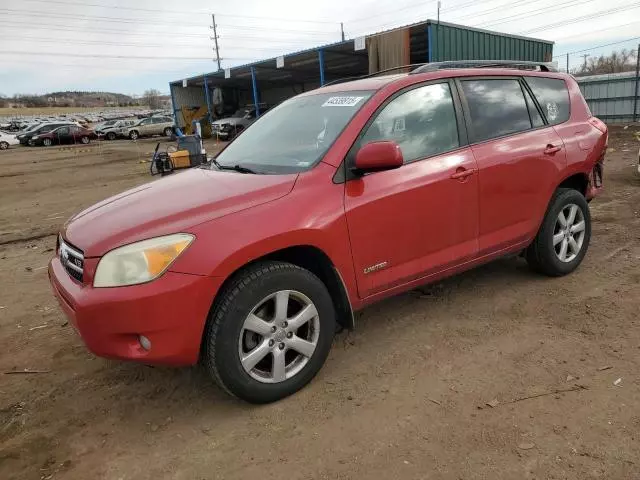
<point x="455" y="43"/>
<point x="610" y="97"/>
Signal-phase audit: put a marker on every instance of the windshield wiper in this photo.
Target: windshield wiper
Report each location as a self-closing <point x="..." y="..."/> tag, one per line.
<point x="236" y="168"/>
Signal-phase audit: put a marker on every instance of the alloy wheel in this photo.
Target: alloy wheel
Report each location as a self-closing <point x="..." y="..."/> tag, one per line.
<point x="279" y="336"/>
<point x="568" y="233"/>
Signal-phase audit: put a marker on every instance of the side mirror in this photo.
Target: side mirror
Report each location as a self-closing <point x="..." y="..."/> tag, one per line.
<point x="378" y="156"/>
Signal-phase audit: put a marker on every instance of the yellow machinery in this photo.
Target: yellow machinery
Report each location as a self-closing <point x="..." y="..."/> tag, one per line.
<point x="196" y="114"/>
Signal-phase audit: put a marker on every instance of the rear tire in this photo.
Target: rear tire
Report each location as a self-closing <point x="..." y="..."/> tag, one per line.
<point x="134" y="135"/>
<point x="563" y="240"/>
<point x="111" y="136"/>
<point x="168" y="132"/>
<point x="4" y="145"/>
<point x="84" y="140"/>
<point x="229" y="340"/>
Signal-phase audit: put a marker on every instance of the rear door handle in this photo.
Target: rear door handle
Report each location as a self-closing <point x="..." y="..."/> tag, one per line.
<point x="551" y="149"/>
<point x="461" y="173"/>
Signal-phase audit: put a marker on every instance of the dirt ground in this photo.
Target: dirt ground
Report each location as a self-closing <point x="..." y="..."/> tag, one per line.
<point x="404" y="396"/>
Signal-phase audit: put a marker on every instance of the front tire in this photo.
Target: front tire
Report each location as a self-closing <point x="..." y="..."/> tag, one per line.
<point x="134" y="135"/>
<point x="563" y="238"/>
<point x="111" y="136"/>
<point x="270" y="332"/>
<point x="47" y="142"/>
<point x="84" y="140"/>
<point x="4" y="145"/>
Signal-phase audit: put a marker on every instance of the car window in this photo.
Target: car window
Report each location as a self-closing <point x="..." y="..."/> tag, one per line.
<point x="422" y="121"/>
<point x="146" y="121"/>
<point x="553" y="97"/>
<point x="534" y="114"/>
<point x="62" y="131"/>
<point x="296" y="134"/>
<point x="497" y="107"/>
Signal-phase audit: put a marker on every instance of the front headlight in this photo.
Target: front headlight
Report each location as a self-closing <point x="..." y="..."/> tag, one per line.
<point x="35" y="137"/>
<point x="140" y="262"/>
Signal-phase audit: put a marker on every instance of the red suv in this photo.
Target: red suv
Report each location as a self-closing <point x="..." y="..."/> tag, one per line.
<point x="336" y="198"/>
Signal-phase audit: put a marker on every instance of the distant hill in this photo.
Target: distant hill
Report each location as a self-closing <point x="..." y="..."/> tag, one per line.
<point x="73" y="99"/>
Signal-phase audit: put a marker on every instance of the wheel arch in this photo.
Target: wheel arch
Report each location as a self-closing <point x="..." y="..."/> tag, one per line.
<point x="577" y="181"/>
<point x="317" y="262"/>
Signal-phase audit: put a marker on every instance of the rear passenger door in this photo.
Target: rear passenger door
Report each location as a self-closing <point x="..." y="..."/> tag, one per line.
<point x="519" y="157"/>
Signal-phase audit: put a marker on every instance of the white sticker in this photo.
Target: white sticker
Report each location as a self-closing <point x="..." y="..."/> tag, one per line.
<point x="359" y="44"/>
<point x="227" y="73"/>
<point x="279" y="62"/>
<point x="342" y="102"/>
<point x="184" y="82"/>
<point x="552" y="111"/>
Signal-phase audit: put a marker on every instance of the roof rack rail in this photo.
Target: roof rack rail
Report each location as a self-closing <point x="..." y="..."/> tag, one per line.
<point x="519" y="64"/>
<point x="369" y="75"/>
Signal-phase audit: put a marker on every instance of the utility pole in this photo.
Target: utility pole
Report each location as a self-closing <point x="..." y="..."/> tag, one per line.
<point x="215" y="40"/>
<point x="584" y="65"/>
<point x="567" y="63"/>
<point x="439" y="5"/>
<point x="342" y="30"/>
<point x="635" y="91"/>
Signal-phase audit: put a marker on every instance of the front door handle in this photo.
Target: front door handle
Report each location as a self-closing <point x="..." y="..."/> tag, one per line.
<point x="551" y="149"/>
<point x="461" y="173"/>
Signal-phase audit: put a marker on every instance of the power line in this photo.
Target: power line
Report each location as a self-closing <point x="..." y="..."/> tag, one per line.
<point x="68" y="41"/>
<point x="122" y="57"/>
<point x="412" y="5"/>
<point x="88" y="18"/>
<point x="584" y="17"/>
<point x="533" y="13"/>
<point x="62" y="28"/>
<point x="179" y="12"/>
<point x="597" y="46"/>
<point x="590" y="32"/>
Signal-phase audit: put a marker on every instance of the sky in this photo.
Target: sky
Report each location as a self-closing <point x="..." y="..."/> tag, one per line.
<point x="128" y="46"/>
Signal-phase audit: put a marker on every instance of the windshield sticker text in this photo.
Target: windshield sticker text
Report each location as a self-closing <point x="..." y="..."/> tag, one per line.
<point x="342" y="102"/>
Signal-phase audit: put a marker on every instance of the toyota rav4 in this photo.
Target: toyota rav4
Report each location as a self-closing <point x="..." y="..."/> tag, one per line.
<point x="335" y="199"/>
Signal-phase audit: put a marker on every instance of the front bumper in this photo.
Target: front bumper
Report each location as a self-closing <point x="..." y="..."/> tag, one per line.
<point x="170" y="311"/>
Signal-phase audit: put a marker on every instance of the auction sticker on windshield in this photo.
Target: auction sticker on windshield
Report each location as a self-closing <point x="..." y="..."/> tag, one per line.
<point x="342" y="102"/>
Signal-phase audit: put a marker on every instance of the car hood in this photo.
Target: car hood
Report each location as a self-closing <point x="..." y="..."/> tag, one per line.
<point x="170" y="205"/>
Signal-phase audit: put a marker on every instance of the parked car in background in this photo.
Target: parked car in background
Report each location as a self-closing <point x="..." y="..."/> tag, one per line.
<point x="118" y="128"/>
<point x="65" y="135"/>
<point x="227" y="128"/>
<point x="13" y="126"/>
<point x="25" y="137"/>
<point x="151" y="126"/>
<point x="7" y="140"/>
<point x="99" y="126"/>
<point x="335" y="199"/>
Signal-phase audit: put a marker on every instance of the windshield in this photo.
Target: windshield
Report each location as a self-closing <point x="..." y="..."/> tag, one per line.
<point x="295" y="135"/>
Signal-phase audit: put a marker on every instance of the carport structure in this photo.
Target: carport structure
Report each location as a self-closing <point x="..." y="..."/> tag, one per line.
<point x="273" y="80"/>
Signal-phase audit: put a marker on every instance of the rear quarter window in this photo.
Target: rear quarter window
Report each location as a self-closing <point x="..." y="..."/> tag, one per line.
<point x="553" y="96"/>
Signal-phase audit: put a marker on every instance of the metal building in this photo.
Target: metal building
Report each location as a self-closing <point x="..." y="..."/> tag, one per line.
<point x="612" y="97"/>
<point x="273" y="80"/>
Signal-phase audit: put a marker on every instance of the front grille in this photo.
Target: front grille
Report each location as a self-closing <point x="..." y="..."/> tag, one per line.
<point x="72" y="260"/>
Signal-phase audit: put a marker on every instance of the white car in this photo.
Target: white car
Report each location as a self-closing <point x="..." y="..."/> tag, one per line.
<point x="6" y="140"/>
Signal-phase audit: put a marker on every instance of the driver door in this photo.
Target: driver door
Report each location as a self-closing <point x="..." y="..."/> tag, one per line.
<point x="421" y="218"/>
